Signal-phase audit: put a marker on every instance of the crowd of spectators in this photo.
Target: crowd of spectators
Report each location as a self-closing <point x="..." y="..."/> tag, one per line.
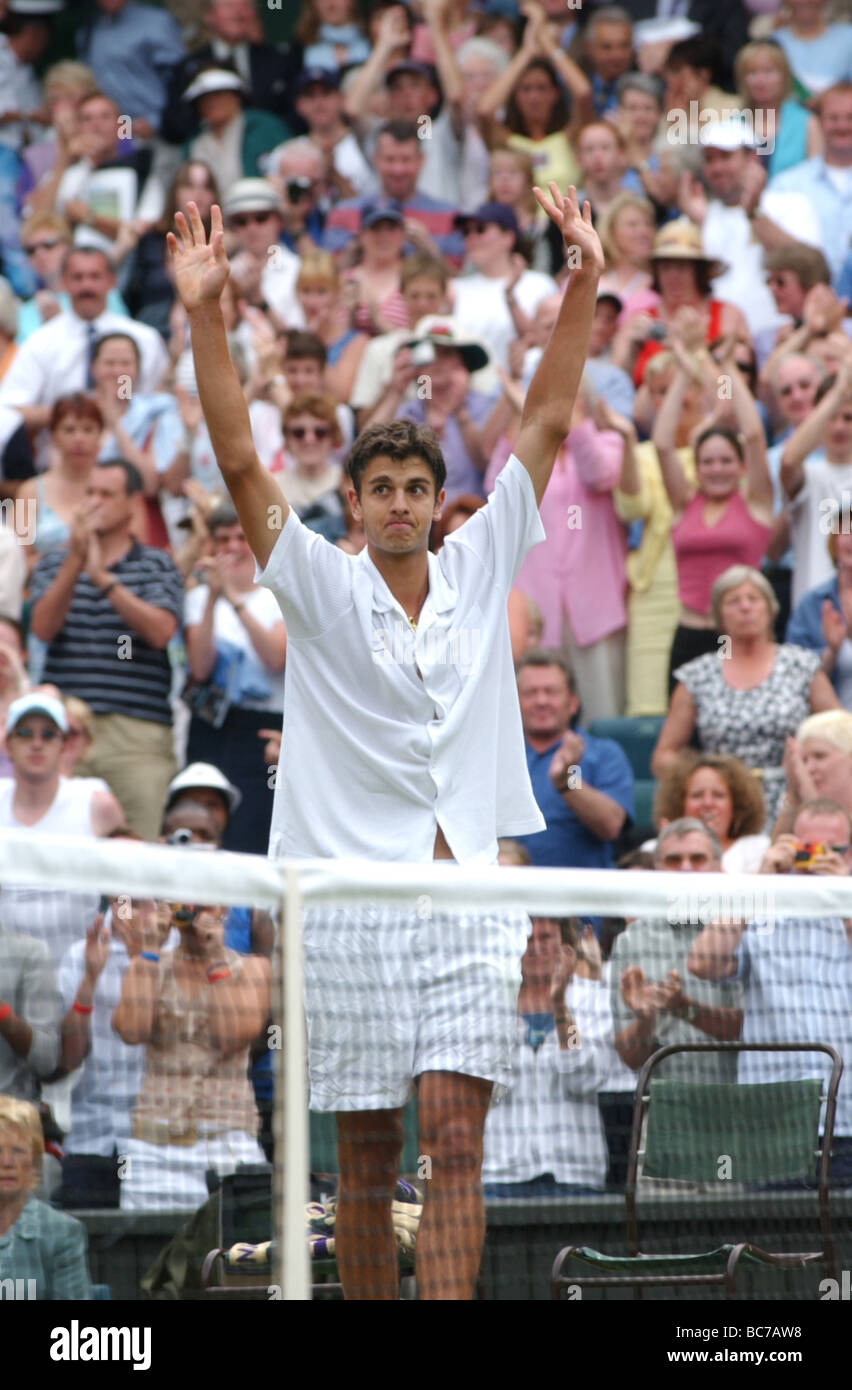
<point x="389" y="260"/>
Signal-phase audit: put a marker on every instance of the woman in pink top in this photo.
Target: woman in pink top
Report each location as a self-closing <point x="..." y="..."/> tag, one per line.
<point x="577" y="575"/>
<point x="726" y="519"/>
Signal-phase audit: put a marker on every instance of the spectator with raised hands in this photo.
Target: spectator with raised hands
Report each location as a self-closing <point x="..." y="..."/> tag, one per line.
<point x="717" y="522"/>
<point x="196" y="1010"/>
<point x="531" y="95"/>
<point x="682" y="275"/>
<point x="108" y="1072"/>
<point x="823" y="619"/>
<point x="816" y="470"/>
<point x="236" y="647"/>
<point x="817" y="763"/>
<point x="654" y="999"/>
<point x="546" y="1138"/>
<point x="373" y="286"/>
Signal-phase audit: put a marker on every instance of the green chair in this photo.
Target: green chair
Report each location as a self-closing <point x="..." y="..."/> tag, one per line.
<point x="637" y="736"/>
<point x="770" y="1133"/>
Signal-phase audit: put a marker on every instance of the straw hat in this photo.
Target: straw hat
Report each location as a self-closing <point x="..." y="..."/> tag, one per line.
<point x="680" y="240"/>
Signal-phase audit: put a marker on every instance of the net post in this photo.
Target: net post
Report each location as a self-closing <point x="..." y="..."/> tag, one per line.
<point x="292" y="1162"/>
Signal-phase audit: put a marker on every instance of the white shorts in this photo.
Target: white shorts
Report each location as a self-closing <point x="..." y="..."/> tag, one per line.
<point x="391" y="993"/>
<point x="173" y="1177"/>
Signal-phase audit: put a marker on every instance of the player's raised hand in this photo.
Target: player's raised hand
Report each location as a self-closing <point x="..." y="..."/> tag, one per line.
<point x="575" y="226"/>
<point x="201" y="267"/>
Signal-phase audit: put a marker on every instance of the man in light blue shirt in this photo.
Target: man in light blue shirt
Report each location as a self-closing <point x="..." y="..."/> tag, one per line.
<point x="797" y="972"/>
<point x="132" y="49"/>
<point x="826" y="180"/>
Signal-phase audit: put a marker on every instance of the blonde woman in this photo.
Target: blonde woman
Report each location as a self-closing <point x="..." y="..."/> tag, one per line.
<point x="626" y="231"/>
<point x="765" y="83"/>
<point x="318" y="287"/>
<point x="42" y="1248"/>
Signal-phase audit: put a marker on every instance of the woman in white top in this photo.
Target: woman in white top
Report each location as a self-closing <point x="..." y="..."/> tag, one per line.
<point x="236" y="645"/>
<point x="723" y="793"/>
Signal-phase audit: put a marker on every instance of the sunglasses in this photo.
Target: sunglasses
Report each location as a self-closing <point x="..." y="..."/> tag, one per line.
<point x="308" y="431"/>
<point x="46" y="735"/>
<point x="43" y="246"/>
<point x="245" y="219"/>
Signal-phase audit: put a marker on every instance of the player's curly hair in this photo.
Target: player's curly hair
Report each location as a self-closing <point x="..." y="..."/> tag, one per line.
<point x="397" y="440"/>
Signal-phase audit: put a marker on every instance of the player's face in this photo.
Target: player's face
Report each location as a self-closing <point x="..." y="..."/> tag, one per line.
<point x="397" y="505"/>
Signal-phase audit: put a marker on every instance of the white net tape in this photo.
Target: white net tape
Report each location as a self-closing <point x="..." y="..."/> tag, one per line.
<point x="143" y="870"/>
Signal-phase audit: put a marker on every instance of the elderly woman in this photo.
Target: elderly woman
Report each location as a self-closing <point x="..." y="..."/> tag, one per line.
<point x="197" y="1009"/>
<point x="749" y="696"/>
<point x="726" y="796"/>
<point x="817" y="763"/>
<point x="42" y="1248"/>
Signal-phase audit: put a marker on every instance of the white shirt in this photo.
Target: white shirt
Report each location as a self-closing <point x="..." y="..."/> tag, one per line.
<point x="549" y="1121"/>
<point x="278" y="286"/>
<point x="52" y="362"/>
<point x="111" y="192"/>
<point x="480" y="309"/>
<point x="374" y="758"/>
<point x="19" y="91"/>
<point x="825" y="483"/>
<point x="107" y="1082"/>
<point x="230" y="636"/>
<point x="52" y="915"/>
<point x="727" y="235"/>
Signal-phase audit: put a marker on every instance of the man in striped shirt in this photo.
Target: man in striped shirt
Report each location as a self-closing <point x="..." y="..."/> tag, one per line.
<point x="108" y="607"/>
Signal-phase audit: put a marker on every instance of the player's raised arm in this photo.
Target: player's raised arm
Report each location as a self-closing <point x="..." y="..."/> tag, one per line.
<point x="549" y="403"/>
<point x="201" y="272"/>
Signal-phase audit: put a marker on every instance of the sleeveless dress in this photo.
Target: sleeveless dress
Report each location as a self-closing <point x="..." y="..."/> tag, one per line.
<point x="752" y="724"/>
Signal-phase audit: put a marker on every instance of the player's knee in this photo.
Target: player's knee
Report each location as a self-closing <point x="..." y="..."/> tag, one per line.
<point x="454" y="1147"/>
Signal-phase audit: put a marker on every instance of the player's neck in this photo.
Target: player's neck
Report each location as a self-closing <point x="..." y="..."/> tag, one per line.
<point x="407" y="577"/>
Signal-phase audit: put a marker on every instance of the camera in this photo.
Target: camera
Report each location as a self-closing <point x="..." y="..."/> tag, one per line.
<point x="658" y="333"/>
<point x="180" y="837"/>
<point x="298" y="190"/>
<point x="806" y="854"/>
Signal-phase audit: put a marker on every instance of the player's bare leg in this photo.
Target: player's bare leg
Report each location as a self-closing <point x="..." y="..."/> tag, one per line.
<point x="452" y="1110"/>
<point x="369" y="1152"/>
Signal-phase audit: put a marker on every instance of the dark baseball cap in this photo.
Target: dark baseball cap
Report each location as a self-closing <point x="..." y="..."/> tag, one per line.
<point x="317" y="77"/>
<point x="382" y="210"/>
<point x="498" y="213"/>
<point x="410" y="66"/>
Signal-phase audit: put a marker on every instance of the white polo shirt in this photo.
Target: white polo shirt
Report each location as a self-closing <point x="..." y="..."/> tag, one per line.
<point x="374" y="755"/>
<point x="52" y="362"/>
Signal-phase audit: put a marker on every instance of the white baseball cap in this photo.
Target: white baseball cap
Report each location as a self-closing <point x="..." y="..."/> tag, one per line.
<point x="726" y="135"/>
<point x="213" y="80"/>
<point x="204" y="775"/>
<point x="36" y="703"/>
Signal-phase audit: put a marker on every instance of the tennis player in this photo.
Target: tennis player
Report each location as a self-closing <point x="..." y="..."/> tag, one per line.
<point x="402" y="742"/>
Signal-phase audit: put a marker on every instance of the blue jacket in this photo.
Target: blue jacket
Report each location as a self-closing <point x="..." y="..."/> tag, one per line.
<point x="49" y="1248"/>
<point x="805" y="626"/>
